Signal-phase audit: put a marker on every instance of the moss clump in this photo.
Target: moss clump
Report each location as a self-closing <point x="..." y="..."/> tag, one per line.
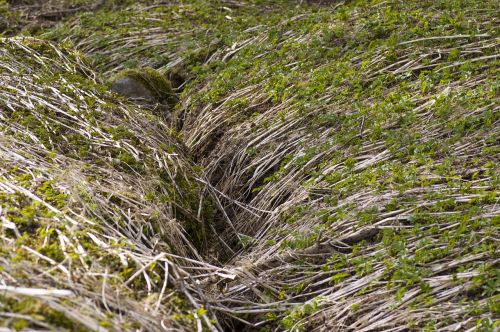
<point x="155" y="82"/>
<point x="38" y="312"/>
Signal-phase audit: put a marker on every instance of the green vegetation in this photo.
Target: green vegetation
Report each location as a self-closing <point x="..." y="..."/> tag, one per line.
<point x="155" y="82"/>
<point x="347" y="170"/>
<point x="86" y="185"/>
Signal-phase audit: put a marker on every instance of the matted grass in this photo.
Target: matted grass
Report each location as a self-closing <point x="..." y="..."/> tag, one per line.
<point x="98" y="203"/>
<point x="347" y="159"/>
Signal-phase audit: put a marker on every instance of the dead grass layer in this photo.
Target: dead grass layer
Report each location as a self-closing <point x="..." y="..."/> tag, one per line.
<point x="334" y="168"/>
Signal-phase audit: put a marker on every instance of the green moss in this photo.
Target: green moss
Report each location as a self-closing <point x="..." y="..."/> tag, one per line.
<point x="157" y="83"/>
<point x="37" y="310"/>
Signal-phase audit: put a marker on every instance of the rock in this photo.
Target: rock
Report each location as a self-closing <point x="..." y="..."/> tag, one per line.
<point x="132" y="88"/>
<point x="148" y="88"/>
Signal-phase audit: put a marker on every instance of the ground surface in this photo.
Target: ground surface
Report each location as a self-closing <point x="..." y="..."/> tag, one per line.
<point x="329" y="166"/>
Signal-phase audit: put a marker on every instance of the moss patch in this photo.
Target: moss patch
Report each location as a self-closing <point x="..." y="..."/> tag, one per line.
<point x="153" y="81"/>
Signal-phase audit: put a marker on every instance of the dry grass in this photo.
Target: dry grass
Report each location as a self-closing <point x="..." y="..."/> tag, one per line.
<point x="294" y="255"/>
<point x="95" y="235"/>
<point x="366" y="203"/>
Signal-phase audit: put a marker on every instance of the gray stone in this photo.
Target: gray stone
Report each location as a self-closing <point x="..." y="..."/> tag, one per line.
<point x="147" y="88"/>
<point x="133" y="88"/>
